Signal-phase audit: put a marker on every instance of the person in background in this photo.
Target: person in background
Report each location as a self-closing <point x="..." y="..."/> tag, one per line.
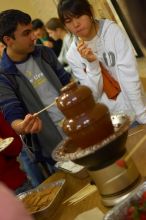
<point x="1" y="49"/>
<point x="10" y="172"/>
<point x="31" y="78"/>
<point x="41" y="34"/>
<point x="101" y="57"/>
<point x="10" y="207"/>
<point x="57" y="31"/>
<point x="43" y="37"/>
<point x="137" y="12"/>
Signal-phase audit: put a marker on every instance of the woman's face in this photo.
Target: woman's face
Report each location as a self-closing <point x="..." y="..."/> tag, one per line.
<point x="81" y="26"/>
<point x="53" y="34"/>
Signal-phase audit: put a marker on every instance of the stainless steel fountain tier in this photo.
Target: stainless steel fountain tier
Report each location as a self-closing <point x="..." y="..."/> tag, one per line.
<point x="114" y="183"/>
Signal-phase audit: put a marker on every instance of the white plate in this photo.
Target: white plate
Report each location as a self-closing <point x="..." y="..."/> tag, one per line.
<point x="4" y="143"/>
<point x="69" y="166"/>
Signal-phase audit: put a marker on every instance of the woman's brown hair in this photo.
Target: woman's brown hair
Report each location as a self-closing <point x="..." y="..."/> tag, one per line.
<point x="54" y="23"/>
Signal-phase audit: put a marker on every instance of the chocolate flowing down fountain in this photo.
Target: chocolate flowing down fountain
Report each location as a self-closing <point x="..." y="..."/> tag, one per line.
<point x="96" y="140"/>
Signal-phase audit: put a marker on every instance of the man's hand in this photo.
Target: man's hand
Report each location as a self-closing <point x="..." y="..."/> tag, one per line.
<point x="86" y="52"/>
<point x="30" y="124"/>
<point x="48" y="44"/>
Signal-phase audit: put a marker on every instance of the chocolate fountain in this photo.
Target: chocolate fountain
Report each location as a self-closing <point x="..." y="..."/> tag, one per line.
<point x="96" y="140"/>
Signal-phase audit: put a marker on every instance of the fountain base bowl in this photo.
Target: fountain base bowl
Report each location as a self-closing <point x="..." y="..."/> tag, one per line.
<point x="99" y="155"/>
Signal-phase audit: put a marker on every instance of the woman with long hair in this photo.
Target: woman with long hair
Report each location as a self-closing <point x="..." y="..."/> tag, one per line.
<point x="101" y="57"/>
<point x="57" y="31"/>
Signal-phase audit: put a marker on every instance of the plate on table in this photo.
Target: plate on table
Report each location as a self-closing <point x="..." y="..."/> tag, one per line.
<point x="72" y="168"/>
<point x="44" y="199"/>
<point x="4" y="143"/>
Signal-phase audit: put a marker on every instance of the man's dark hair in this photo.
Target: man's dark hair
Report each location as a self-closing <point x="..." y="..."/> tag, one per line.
<point x="37" y="23"/>
<point x="9" y="20"/>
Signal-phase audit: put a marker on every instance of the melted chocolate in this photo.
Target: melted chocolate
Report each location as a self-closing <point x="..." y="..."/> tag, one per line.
<point x="86" y="123"/>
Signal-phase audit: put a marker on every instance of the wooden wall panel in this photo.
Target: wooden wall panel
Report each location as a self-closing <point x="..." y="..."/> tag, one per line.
<point x="44" y="9"/>
<point x="103" y="10"/>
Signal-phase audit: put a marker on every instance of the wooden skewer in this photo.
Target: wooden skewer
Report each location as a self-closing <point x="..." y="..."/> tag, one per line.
<point x="136" y="132"/>
<point x="39" y="112"/>
<point x="44" y="109"/>
<point x="76" y="194"/>
<point x="122" y="162"/>
<point x="91" y="190"/>
<point x="81" y="194"/>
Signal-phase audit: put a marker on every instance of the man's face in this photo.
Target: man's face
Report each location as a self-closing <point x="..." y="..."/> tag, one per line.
<point x="24" y="40"/>
<point x="39" y="33"/>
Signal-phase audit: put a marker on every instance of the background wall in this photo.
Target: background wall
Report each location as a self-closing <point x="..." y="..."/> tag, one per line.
<point x="104" y="9"/>
<point x="45" y="9"/>
<point x="17" y="4"/>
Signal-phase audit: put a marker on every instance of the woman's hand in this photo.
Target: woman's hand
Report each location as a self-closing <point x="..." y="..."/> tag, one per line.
<point x="86" y="52"/>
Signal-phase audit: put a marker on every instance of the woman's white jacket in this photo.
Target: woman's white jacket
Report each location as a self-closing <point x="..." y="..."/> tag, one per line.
<point x="114" y="49"/>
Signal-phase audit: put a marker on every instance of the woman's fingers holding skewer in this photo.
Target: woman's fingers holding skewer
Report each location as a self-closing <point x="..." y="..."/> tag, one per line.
<point x="86" y="52"/>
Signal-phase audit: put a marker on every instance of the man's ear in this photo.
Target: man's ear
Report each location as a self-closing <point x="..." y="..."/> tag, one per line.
<point x="8" y="40"/>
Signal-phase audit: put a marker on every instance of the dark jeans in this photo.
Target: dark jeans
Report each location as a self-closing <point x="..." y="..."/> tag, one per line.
<point x="32" y="169"/>
<point x="36" y="166"/>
